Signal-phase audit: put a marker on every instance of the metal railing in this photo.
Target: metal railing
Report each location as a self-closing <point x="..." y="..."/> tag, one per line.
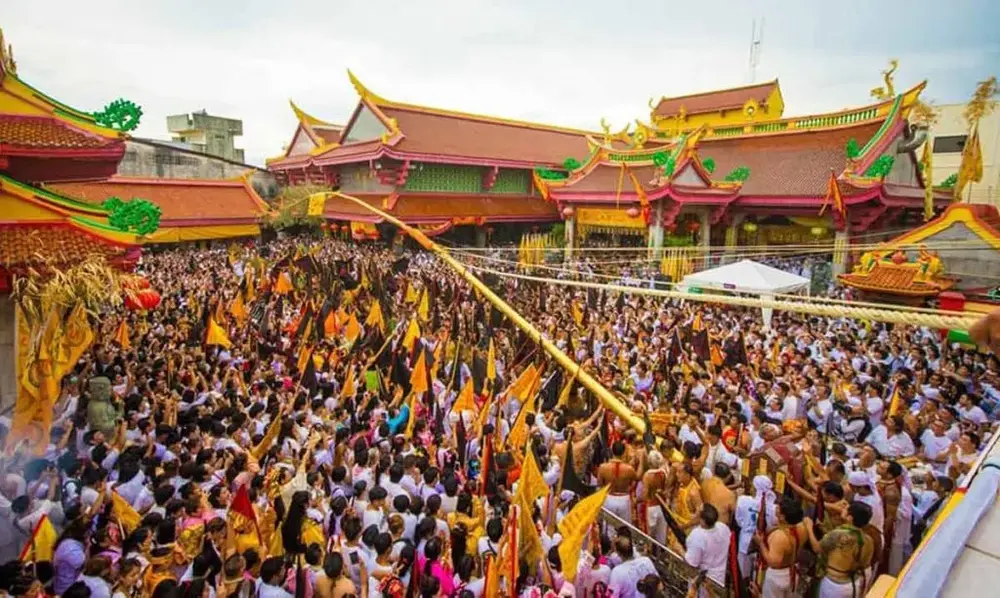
<point x="674" y="571"/>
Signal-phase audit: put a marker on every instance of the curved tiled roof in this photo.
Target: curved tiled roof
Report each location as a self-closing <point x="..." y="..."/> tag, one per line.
<point x="790" y="165"/>
<point x="430" y="132"/>
<point x="21" y="244"/>
<point x="180" y="200"/>
<point x="713" y="101"/>
<point x="45" y="132"/>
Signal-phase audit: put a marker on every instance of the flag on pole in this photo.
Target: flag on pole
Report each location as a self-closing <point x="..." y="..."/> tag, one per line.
<point x="42" y="544"/>
<point x="122" y="336"/>
<point x="971" y="168"/>
<point x="574" y="528"/>
<point x="424" y="309"/>
<point x="896" y="403"/>
<point x="491" y="363"/>
<point x="350" y="387"/>
<point x="352" y="330"/>
<point x="239" y="309"/>
<point x="411" y="294"/>
<point x="123" y="512"/>
<point x="833" y="196"/>
<point x="418" y="377"/>
<point x="375" y="317"/>
<point x="466" y="400"/>
<point x="216" y="335"/>
<point x="412" y="335"/>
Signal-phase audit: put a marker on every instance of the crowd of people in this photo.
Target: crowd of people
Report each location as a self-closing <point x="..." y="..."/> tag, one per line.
<point x="298" y="455"/>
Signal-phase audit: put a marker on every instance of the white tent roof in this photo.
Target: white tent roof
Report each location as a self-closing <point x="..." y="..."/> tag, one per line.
<point x="746" y="276"/>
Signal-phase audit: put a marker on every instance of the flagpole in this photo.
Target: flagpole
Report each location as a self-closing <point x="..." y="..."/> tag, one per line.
<point x="589" y="382"/>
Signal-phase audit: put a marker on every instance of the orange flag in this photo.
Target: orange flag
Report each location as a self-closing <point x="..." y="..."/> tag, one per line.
<point x="418" y="377"/>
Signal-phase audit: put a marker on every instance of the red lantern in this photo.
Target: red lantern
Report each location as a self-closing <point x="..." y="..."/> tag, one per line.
<point x="568" y="212"/>
<point x="694" y="225"/>
<point x="632" y="212"/>
<point x="148" y="298"/>
<point x="323" y="225"/>
<point x="132" y="302"/>
<point x="135" y="282"/>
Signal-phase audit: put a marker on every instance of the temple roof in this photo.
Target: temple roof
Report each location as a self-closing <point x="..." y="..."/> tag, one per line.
<point x="184" y="202"/>
<point x="797" y="165"/>
<point x="982" y="219"/>
<point x="42" y="139"/>
<point x="714" y="101"/>
<point x="40" y="226"/>
<point x="435" y="134"/>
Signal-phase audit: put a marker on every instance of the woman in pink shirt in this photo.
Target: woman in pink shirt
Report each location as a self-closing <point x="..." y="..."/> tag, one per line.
<point x="429" y="565"/>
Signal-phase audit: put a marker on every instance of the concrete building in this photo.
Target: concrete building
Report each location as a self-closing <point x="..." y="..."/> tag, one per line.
<point x="202" y="132"/>
<point x="949" y="136"/>
<point x="156" y="159"/>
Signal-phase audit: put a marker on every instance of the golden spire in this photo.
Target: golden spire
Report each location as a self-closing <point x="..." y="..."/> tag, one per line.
<point x="304" y="117"/>
<point x="7" y="56"/>
<point x="364" y="92"/>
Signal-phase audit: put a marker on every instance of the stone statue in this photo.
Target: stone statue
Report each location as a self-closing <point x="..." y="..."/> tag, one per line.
<point x="102" y="412"/>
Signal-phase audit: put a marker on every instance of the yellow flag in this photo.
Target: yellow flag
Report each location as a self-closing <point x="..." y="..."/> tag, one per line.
<point x="519" y="431"/>
<point x="574" y="527"/>
<point x="529" y="543"/>
<point x="411" y="294"/>
<point x="238" y="308"/>
<point x="564" y="394"/>
<point x="519" y="389"/>
<point x="483" y="414"/>
<point x="42" y="545"/>
<point x="971" y="168"/>
<point x="418" y="377"/>
<point x="927" y="172"/>
<point x="375" y="317"/>
<point x="284" y="284"/>
<point x="216" y="335"/>
<point x="317" y="203"/>
<point x="353" y="329"/>
<point x="531" y="482"/>
<point x="577" y="313"/>
<point x="896" y="403"/>
<point x="77" y="338"/>
<point x="330" y="324"/>
<point x="492" y="587"/>
<point x="365" y="283"/>
<point x="350" y="387"/>
<point x="123" y="512"/>
<point x="411" y="336"/>
<point x="491" y="363"/>
<point x="466" y="400"/>
<point x="424" y="309"/>
<point x="413" y="416"/>
<point x="122" y="336"/>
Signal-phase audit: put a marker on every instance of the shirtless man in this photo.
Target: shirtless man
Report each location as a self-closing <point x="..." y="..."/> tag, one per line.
<point x="847" y="553"/>
<point x="715" y="492"/>
<point x="781" y="549"/>
<point x="582" y="444"/>
<point x="620" y="475"/>
<point x="654" y="487"/>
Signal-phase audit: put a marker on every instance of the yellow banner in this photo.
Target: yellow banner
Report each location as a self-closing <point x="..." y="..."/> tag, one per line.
<point x="608" y="217"/>
<point x="317" y="203"/>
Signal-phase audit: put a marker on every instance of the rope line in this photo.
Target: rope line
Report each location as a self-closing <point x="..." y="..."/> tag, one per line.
<point x="908" y="316"/>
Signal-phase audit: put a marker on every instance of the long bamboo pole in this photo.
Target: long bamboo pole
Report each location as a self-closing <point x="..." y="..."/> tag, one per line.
<point x="607" y="399"/>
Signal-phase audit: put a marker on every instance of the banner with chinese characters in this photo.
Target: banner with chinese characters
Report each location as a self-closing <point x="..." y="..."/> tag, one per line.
<point x="608" y="218"/>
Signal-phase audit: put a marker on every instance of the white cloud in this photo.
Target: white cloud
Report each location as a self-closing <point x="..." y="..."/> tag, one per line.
<point x="555" y="61"/>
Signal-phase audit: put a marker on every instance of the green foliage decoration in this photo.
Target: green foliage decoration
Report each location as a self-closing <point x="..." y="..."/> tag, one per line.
<point x="949" y="183"/>
<point x="738" y="175"/>
<point x="551" y="175"/>
<point x="571" y="163"/>
<point x="852" y="149"/>
<point x="660" y="158"/>
<point x="139" y="216"/>
<point x="880" y="167"/>
<point x="121" y="114"/>
<point x="708" y="164"/>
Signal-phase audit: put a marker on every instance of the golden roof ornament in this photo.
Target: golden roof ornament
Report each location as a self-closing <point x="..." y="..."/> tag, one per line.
<point x="889" y="90"/>
<point x="7" y="56"/>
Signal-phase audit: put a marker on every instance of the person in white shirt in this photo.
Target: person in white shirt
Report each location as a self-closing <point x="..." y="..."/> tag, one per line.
<point x="969" y="410"/>
<point x="95" y="575"/>
<point x="708" y="546"/>
<point x="629" y="571"/>
<point x="891" y="440"/>
<point x="820" y="408"/>
<point x="935" y="446"/>
<point x="899" y="549"/>
<point x="272" y="574"/>
<point x="748" y="509"/>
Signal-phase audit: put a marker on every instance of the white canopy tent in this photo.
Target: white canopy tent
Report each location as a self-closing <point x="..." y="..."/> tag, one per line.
<point x="748" y="276"/>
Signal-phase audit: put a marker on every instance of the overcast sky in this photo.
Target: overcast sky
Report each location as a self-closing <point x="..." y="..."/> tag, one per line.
<point x="556" y="61"/>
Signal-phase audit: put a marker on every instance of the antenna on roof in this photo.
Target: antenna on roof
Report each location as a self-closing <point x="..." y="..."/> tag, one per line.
<point x="756" y="41"/>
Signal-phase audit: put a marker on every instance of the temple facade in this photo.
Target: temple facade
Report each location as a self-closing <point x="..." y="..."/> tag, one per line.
<point x="723" y="168"/>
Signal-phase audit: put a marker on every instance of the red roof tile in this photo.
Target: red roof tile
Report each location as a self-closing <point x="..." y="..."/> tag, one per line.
<point x="791" y="164"/>
<point x="179" y="199"/>
<point x="45" y="132"/>
<point x="470" y="137"/>
<point x="20" y="244"/>
<point x="712" y="101"/>
<point x="605" y="178"/>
